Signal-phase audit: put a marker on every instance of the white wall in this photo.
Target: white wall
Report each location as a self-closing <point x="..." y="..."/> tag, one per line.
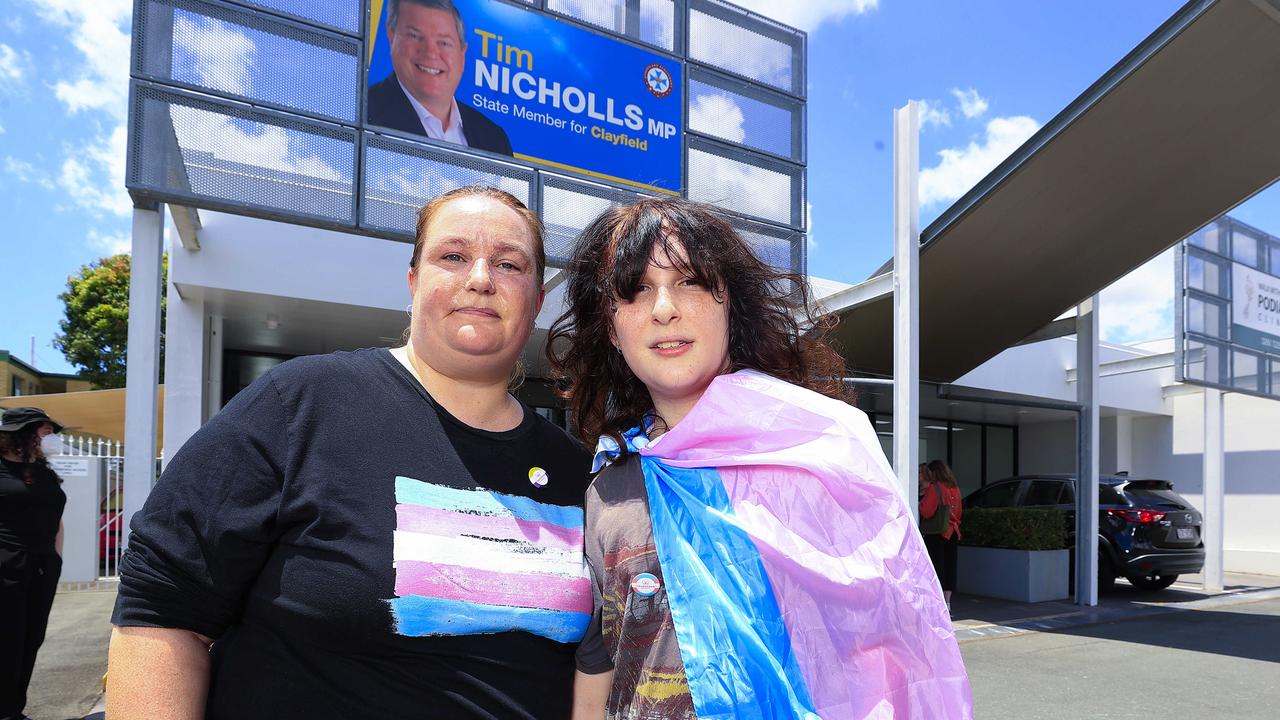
<point x="1170" y="448"/>
<point x="270" y="258"/>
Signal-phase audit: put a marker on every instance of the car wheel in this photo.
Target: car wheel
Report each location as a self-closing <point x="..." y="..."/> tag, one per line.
<point x="1153" y="582"/>
<point x="1106" y="573"/>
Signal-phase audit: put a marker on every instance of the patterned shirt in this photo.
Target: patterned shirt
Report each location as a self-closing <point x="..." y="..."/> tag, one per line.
<point x="631" y="600"/>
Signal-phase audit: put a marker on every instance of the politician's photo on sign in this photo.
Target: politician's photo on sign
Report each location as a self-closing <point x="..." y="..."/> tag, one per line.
<point x="428" y="56"/>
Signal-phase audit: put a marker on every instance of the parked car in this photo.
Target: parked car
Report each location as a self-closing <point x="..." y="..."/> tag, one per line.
<point x="1147" y="533"/>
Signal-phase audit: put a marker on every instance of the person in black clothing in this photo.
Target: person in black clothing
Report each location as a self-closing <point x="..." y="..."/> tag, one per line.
<point x="373" y="534"/>
<point x="428" y="54"/>
<point x="31" y="504"/>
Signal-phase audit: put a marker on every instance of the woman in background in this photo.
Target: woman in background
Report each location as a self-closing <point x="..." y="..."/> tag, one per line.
<point x="938" y="489"/>
<point x="31" y="503"/>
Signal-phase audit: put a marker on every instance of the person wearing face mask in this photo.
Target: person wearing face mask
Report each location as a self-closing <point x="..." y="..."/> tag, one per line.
<point x="31" y="504"/>
<point x="382" y="533"/>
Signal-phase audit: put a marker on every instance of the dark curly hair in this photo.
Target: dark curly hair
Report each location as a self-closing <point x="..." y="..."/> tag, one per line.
<point x="771" y="328"/>
<point x="25" y="444"/>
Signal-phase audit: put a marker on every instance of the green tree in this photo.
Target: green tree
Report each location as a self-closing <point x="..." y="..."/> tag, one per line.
<point x="95" y="326"/>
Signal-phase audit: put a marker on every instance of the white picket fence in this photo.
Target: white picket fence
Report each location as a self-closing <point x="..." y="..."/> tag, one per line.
<point x="110" y="529"/>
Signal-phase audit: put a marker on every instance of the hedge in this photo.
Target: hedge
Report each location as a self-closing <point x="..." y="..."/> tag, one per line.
<point x="1014" y="528"/>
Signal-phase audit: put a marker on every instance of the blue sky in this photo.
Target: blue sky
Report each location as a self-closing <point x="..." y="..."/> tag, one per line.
<point x="990" y="72"/>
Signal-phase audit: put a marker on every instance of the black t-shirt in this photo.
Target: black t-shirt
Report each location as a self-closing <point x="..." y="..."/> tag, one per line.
<point x="31" y="503"/>
<point x="357" y="552"/>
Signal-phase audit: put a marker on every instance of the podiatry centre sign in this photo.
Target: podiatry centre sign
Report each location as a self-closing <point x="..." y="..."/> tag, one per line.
<point x="1255" y="309"/>
<point x="517" y="82"/>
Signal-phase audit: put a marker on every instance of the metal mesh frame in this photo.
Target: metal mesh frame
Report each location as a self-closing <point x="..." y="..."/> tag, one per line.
<point x="352" y="194"/>
<point x="633" y="19"/>
<point x="746" y="114"/>
<point x="315" y="186"/>
<point x="568" y="205"/>
<point x="745" y="183"/>
<point x="179" y="41"/>
<point x="1205" y="352"/>
<point x="412" y="173"/>
<point x="728" y="38"/>
<point x="345" y="16"/>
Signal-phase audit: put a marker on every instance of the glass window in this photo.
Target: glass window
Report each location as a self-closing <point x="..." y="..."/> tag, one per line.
<point x="1244" y="371"/>
<point x="1209" y="237"/>
<point x="1206" y="274"/>
<point x="1068" y="494"/>
<point x="1000" y="460"/>
<point x="1206" y="317"/>
<point x="966" y="456"/>
<point x="1244" y="247"/>
<point x="933" y="440"/>
<point x="998" y="495"/>
<point x="1043" y="492"/>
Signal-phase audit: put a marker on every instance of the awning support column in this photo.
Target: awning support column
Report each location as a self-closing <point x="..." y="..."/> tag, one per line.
<point x="1212" y="524"/>
<point x="142" y="373"/>
<point x="906" y="300"/>
<point x="1087" y="443"/>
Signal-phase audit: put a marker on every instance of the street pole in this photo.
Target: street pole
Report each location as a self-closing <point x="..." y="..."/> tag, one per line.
<point x="906" y="300"/>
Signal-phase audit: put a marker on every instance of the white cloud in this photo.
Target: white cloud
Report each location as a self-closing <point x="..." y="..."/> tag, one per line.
<point x="92" y="172"/>
<point x="24" y="171"/>
<point x="15" y="24"/>
<point x="810" y="14"/>
<point x="1139" y="306"/>
<point x="718" y="115"/>
<point x="933" y="116"/>
<point x="959" y="169"/>
<point x="99" y="30"/>
<point x="110" y="243"/>
<point x="13" y="65"/>
<point x="82" y="171"/>
<point x="972" y="104"/>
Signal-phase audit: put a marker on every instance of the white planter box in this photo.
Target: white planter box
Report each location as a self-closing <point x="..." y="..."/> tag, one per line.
<point x="1022" y="575"/>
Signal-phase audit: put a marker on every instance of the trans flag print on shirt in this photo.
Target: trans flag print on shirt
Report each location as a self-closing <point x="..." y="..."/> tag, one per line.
<point x="471" y="562"/>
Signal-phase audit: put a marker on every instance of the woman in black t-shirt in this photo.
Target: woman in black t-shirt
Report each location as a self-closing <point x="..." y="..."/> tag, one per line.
<point x="31" y="503"/>
<point x="376" y="533"/>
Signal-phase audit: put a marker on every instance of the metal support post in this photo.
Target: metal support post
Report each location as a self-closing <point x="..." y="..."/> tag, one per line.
<point x="906" y="300"/>
<point x="1214" y="487"/>
<point x="184" y="360"/>
<point x="142" y="374"/>
<point x="1087" y="444"/>
<point x="214" y="392"/>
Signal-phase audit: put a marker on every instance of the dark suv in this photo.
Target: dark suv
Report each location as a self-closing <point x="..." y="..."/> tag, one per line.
<point x="1146" y="532"/>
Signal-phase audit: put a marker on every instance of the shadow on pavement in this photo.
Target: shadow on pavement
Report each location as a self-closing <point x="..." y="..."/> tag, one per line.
<point x="1231" y="632"/>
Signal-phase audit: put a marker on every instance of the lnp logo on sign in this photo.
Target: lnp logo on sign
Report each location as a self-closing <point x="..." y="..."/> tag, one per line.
<point x="658" y="80"/>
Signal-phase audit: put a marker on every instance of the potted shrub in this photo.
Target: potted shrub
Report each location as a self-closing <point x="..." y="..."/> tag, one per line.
<point x="1013" y="553"/>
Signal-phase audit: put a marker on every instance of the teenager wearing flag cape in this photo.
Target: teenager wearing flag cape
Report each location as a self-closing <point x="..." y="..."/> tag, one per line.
<point x="750" y="553"/>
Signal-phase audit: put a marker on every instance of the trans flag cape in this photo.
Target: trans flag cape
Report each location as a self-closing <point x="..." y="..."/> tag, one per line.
<point x="798" y="584"/>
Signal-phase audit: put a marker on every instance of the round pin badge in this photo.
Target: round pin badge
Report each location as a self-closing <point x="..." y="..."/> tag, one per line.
<point x="645" y="584"/>
<point x="537" y="476"/>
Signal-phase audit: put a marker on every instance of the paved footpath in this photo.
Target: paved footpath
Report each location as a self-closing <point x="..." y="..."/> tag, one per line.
<point x="1215" y="662"/>
<point x="67" y="681"/>
<point x="1180" y="654"/>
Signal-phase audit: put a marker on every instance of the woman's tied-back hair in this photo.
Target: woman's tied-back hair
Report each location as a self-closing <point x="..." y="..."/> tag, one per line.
<point x="940" y="472"/>
<point x="766" y="311"/>
<point x="531" y="220"/>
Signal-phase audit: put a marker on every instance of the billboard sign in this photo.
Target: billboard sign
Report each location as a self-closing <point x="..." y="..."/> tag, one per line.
<point x="1255" y="309"/>
<point x="1227" y="317"/>
<point x="512" y="81"/>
